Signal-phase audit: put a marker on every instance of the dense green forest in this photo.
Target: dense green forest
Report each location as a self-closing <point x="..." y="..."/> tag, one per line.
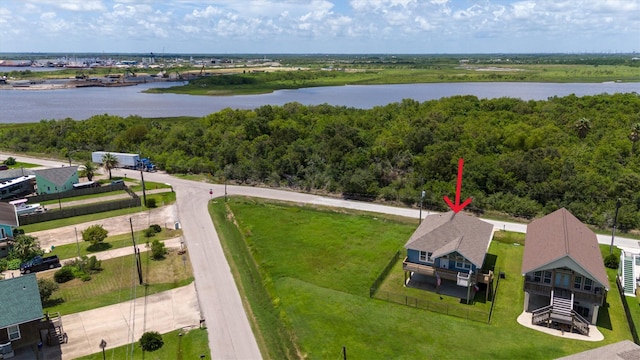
<point x="523" y="158"/>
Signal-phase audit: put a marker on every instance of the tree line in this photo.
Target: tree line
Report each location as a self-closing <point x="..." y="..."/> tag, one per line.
<point x="523" y="158"/>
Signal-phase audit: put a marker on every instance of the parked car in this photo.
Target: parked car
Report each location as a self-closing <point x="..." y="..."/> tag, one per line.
<point x="39" y="263"/>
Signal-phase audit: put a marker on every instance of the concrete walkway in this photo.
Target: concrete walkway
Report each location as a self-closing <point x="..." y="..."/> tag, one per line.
<point x="594" y="334"/>
<point x="122" y="324"/>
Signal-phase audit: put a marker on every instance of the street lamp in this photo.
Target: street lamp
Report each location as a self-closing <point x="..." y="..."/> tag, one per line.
<point x="103" y="344"/>
<point x="421" y="201"/>
<point x="615" y="222"/>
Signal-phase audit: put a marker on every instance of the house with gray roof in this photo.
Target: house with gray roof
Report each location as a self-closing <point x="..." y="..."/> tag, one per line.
<point x="565" y="282"/>
<point x="8" y="222"/>
<point x="21" y="315"/>
<point x="56" y="180"/>
<point x="14" y="173"/>
<point x="450" y="246"/>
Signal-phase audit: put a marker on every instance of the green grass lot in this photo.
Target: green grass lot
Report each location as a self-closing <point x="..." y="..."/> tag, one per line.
<point x="19" y="165"/>
<point x="268" y="82"/>
<point x="112" y="285"/>
<point x="190" y="345"/>
<point x="306" y="274"/>
<point x="634" y="309"/>
<point x="112" y="242"/>
<point x="148" y="185"/>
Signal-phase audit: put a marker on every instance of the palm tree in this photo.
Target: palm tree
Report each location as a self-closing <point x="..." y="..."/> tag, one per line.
<point x="89" y="169"/>
<point x="582" y="127"/>
<point x="634" y="136"/>
<point x="109" y="162"/>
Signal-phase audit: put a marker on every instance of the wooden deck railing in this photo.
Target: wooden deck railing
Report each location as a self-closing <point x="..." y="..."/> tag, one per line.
<point x="545" y="289"/>
<point x="446" y="274"/>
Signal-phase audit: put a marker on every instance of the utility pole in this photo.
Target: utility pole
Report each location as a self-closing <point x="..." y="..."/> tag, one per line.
<point x="421" y="200"/>
<point x="615" y="223"/>
<point x="136" y="253"/>
<point x="144" y="192"/>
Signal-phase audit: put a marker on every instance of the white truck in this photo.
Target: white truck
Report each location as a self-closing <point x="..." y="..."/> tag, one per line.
<point x="127" y="161"/>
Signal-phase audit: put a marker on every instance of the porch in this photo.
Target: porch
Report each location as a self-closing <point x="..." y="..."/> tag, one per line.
<point x="593" y="297"/>
<point x="449" y="279"/>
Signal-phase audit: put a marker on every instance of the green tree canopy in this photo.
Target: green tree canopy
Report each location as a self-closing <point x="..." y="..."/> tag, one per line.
<point x="25" y="247"/>
<point x="94" y="234"/>
<point x="109" y="161"/>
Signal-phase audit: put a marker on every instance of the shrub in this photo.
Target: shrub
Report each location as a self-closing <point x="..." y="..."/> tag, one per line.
<point x="149" y="232"/>
<point x="157" y="250"/>
<point x="157" y="228"/>
<point x="611" y="261"/>
<point x="63" y="275"/>
<point x="14" y="264"/>
<point x="10" y="161"/>
<point x="3" y="264"/>
<point x="85" y="277"/>
<point x="151" y="341"/>
<point x="95" y="234"/>
<point x="93" y="264"/>
<point x="151" y="203"/>
<point x="46" y="287"/>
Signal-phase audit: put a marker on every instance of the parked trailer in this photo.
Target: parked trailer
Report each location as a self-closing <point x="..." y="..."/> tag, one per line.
<point x="127" y="161"/>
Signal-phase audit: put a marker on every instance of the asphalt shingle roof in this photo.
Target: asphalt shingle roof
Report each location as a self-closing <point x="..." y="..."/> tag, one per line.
<point x="8" y="214"/>
<point x="58" y="176"/>
<point x="445" y="233"/>
<point x="559" y="235"/>
<point x="20" y="300"/>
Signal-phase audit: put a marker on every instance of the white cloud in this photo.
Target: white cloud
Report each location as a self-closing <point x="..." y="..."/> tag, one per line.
<point x="71" y="5"/>
<point x="323" y="24"/>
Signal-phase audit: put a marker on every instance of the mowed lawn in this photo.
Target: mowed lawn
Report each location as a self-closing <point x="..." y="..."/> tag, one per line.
<point x="317" y="266"/>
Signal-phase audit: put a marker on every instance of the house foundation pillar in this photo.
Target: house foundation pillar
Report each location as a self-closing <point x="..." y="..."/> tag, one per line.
<point x="594" y="316"/>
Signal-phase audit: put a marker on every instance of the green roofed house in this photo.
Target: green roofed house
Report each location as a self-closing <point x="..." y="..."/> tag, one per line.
<point x="21" y="315"/>
<point x="8" y="222"/>
<point x="56" y="180"/>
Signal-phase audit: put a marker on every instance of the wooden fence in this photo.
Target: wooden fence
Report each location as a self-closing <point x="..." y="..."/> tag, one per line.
<point x="79" y="210"/>
<point x="462" y="311"/>
<point x="75" y="192"/>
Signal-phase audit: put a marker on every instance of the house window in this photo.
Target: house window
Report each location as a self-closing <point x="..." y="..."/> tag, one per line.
<point x="463" y="265"/>
<point x="547" y="277"/>
<point x="426" y="256"/>
<point x="577" y="282"/>
<point x="537" y="276"/>
<point x="13" y="332"/>
<point x="588" y="284"/>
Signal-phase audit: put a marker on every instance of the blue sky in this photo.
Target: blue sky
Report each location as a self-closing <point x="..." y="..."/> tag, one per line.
<point x="320" y="26"/>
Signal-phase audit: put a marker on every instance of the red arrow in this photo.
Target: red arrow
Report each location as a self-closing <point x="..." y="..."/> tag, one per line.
<point x="457" y="207"/>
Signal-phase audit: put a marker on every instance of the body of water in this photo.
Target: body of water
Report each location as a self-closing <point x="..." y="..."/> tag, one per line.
<point x="21" y="106"/>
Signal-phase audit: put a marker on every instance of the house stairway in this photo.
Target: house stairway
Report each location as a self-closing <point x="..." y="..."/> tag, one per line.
<point x="56" y="332"/>
<point x="627" y="276"/>
<point x="560" y="314"/>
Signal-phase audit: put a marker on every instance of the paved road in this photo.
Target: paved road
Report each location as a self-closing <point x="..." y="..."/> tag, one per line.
<point x="230" y="336"/>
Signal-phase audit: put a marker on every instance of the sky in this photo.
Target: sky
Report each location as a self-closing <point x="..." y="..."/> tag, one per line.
<point x="320" y="26"/>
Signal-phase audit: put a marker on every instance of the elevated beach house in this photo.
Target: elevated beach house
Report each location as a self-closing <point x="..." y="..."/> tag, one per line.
<point x="8" y="222"/>
<point x="565" y="282"/>
<point x="450" y="246"/>
<point x="21" y="315"/>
